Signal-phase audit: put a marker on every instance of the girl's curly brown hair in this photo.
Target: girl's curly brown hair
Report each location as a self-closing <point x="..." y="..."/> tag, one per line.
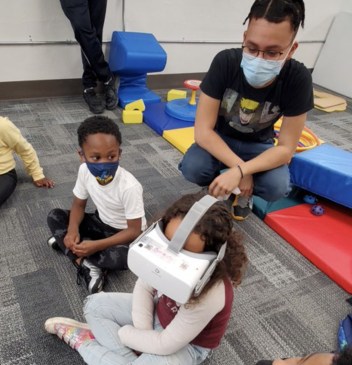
<point x="215" y="228"/>
<point x="344" y="357"/>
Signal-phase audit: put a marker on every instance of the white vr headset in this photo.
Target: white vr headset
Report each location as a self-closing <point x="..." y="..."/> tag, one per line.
<point x="164" y="265"/>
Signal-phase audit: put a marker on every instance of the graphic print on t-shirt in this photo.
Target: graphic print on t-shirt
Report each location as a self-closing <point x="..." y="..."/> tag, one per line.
<point x="246" y="115"/>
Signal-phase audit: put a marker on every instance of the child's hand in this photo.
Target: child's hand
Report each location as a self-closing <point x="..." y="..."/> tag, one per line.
<point x="85" y="248"/>
<point x="71" y="239"/>
<point x="44" y="183"/>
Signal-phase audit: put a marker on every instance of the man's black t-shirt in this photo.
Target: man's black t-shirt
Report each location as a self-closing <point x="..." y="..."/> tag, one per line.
<point x="248" y="113"/>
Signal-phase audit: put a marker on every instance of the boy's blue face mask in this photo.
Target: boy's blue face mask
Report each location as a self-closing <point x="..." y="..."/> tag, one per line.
<point x="104" y="172"/>
<point x="259" y="71"/>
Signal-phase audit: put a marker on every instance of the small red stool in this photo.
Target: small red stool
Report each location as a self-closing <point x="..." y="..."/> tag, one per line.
<point x="194" y="86"/>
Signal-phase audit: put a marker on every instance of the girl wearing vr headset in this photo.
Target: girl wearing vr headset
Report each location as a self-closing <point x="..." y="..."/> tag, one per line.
<point x="149" y="328"/>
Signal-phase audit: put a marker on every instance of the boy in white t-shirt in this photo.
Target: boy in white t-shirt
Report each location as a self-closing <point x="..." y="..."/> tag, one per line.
<point x="98" y="242"/>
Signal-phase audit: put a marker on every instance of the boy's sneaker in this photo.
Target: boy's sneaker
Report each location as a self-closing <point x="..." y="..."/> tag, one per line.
<point x="241" y="207"/>
<point x="111" y="99"/>
<point x="74" y="333"/>
<point x="93" y="276"/>
<point x="53" y="243"/>
<point x="96" y="106"/>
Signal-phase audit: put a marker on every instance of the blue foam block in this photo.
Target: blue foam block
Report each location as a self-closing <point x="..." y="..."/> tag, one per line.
<point x="326" y="171"/>
<point x="134" y="53"/>
<point x="133" y="88"/>
<point x="156" y="118"/>
<point x="261" y="207"/>
<point x="181" y="109"/>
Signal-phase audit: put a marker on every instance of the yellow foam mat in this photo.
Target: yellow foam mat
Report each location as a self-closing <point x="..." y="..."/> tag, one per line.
<point x="181" y="138"/>
<point x="328" y="102"/>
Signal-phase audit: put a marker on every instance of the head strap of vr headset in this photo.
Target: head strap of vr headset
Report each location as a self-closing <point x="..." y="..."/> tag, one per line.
<point x="187" y="225"/>
<point x="190" y="220"/>
<point x="209" y="272"/>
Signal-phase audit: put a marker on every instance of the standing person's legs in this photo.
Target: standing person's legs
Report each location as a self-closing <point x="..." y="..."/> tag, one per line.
<point x="8" y="182"/>
<point x="93" y="56"/>
<point x="78" y="12"/>
<point x="97" y="10"/>
<point x="90" y="39"/>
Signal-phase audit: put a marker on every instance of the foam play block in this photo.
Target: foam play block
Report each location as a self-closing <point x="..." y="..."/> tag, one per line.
<point x="136" y="105"/>
<point x="132" y="116"/>
<point x="174" y="94"/>
<point x="132" y="56"/>
<point x="324" y="100"/>
<point x="326" y="171"/>
<point x="134" y="53"/>
<point x="336" y="108"/>
<point x="156" y="118"/>
<point x="132" y="89"/>
<point x="324" y="240"/>
<point x="181" y="138"/>
<point x="262" y="207"/>
<point x="181" y="109"/>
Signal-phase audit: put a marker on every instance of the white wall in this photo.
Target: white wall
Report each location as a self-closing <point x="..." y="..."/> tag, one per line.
<point x="347" y="6"/>
<point x="37" y="43"/>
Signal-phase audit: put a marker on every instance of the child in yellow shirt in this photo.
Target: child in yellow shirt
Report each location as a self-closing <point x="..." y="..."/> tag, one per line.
<point x="12" y="141"/>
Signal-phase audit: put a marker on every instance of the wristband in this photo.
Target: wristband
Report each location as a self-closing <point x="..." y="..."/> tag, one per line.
<point x="239" y="167"/>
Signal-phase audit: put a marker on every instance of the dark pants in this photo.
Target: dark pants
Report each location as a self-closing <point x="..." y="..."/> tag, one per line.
<point x="200" y="167"/>
<point x="8" y="184"/>
<point x="87" y="19"/>
<point x="91" y="228"/>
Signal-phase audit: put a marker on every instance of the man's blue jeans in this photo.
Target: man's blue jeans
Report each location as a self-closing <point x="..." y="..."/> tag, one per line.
<point x="200" y="167"/>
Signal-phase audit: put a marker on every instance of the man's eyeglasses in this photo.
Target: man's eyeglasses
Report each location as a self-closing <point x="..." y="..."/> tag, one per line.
<point x="267" y="55"/>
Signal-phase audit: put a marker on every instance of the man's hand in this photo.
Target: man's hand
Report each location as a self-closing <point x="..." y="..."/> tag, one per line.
<point x="228" y="181"/>
<point x="225" y="183"/>
<point x="44" y="183"/>
<point x="246" y="185"/>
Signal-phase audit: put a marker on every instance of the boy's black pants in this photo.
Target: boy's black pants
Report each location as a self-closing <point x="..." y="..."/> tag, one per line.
<point x="91" y="228"/>
<point x="87" y="20"/>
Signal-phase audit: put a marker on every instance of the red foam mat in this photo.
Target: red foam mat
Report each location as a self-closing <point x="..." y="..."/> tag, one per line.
<point x="324" y="240"/>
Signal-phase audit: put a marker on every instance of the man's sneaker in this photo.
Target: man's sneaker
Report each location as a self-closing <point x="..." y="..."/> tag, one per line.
<point x="95" y="104"/>
<point x="111" y="99"/>
<point x="53" y="243"/>
<point x="93" y="276"/>
<point x="241" y="207"/>
<point x="74" y="333"/>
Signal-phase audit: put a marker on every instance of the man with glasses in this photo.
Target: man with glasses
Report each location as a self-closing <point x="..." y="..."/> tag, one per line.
<point x="244" y="93"/>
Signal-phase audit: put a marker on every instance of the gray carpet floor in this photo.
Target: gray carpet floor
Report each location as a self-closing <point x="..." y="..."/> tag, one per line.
<point x="284" y="307"/>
